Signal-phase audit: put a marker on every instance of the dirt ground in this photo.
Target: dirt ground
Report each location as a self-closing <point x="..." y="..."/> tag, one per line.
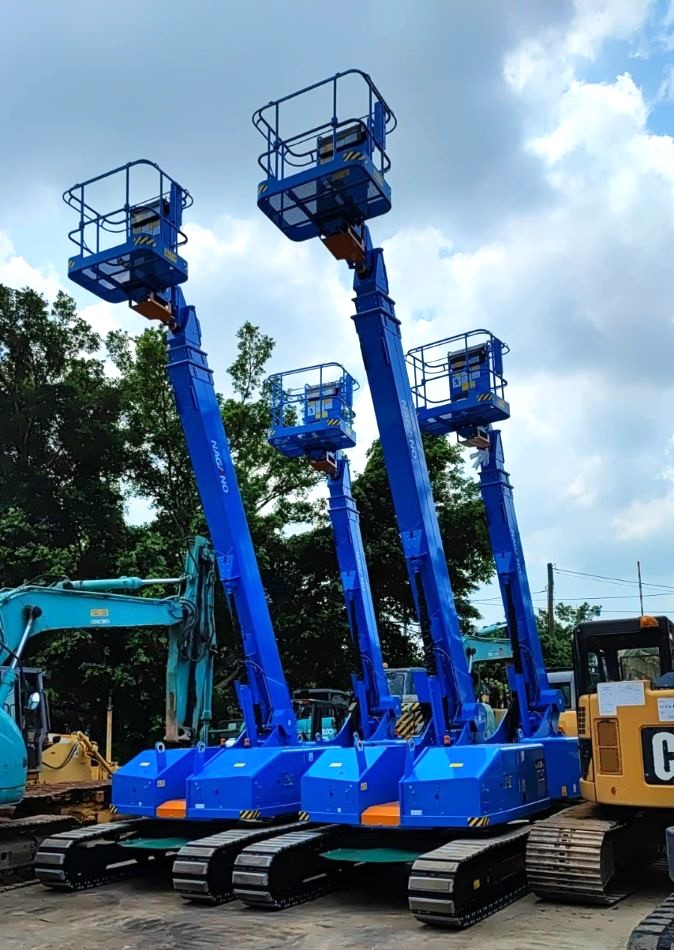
<point x="146" y="914"/>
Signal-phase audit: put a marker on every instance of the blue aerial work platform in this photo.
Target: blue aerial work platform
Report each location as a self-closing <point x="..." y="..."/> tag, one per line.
<point x="455" y="776"/>
<point x="131" y="253"/>
<point x="312" y="416"/>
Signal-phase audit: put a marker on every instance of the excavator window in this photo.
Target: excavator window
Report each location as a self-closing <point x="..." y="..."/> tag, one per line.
<point x="615" y="651"/>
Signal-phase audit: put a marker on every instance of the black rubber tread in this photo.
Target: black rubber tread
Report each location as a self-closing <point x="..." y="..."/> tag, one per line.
<point x="89" y="857"/>
<point x="585" y="855"/>
<point x="468" y="879"/>
<point x="656" y="931"/>
<point x="288" y="869"/>
<point x="203" y="868"/>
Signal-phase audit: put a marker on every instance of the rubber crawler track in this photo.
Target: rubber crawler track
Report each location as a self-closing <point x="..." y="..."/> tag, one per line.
<point x="202" y="870"/>
<point x="468" y="879"/>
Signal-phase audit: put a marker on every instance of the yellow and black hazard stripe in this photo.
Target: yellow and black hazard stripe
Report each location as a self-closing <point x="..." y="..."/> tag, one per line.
<point x="485" y="397"/>
<point x="250" y="814"/>
<point x="333" y="422"/>
<point x="303" y="816"/>
<point x="145" y="239"/>
<point x="262" y="187"/>
<point x="411" y="721"/>
<point x="480" y="822"/>
<point x="353" y="156"/>
<point x="71" y="263"/>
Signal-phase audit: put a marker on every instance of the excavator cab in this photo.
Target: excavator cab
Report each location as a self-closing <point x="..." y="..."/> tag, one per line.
<point x="625" y="683"/>
<point x="28" y="707"/>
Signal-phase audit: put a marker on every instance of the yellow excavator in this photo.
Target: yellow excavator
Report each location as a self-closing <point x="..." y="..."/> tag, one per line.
<point x="594" y="852"/>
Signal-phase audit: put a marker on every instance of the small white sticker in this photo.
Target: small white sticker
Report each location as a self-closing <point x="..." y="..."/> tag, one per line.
<point x="336" y="765"/>
<point x="416" y="811"/>
<point x="239" y="765"/>
<point x="456" y="765"/>
<point x="161" y="783"/>
<point x="200" y="806"/>
<point x="666" y="710"/>
<point x="144" y="765"/>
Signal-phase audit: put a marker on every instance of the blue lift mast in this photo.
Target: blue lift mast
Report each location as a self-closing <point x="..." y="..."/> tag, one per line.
<point x="132" y="253"/>
<point x="312" y="416"/>
<point x="458" y="385"/>
<point x="325" y="183"/>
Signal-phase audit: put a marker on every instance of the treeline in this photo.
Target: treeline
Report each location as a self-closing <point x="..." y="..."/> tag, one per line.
<point x="89" y="425"/>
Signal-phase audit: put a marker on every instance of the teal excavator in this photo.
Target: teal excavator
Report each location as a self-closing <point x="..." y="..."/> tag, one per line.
<point x="98" y="605"/>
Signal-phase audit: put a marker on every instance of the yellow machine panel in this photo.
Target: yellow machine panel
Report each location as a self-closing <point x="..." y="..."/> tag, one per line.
<point x="632" y="749"/>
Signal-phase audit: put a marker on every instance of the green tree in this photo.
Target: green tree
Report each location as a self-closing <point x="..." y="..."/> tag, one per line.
<point x="556" y="643"/>
<point x="63" y="452"/>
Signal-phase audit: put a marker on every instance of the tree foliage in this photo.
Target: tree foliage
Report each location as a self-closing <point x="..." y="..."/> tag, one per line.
<point x="556" y="643"/>
<point x="63" y="452"/>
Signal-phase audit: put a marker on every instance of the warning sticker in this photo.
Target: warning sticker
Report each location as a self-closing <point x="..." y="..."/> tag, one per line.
<point x="666" y="710"/>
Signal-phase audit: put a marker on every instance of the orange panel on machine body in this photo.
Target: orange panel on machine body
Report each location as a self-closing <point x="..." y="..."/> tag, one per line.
<point x="174" y="808"/>
<point x="387" y="814"/>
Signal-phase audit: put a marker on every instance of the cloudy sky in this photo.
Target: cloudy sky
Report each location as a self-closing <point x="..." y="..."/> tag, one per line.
<point x="533" y="190"/>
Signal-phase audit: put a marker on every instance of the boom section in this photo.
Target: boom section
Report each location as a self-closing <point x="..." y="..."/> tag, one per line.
<point x="326" y="181"/>
<point x="459" y="386"/>
<point x="133" y="253"/>
<point x="312" y="416"/>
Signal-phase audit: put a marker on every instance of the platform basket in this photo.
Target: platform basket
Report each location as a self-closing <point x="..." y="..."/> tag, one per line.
<point x="128" y="250"/>
<point x="458" y="382"/>
<point x="329" y="176"/>
<point x="311" y="410"/>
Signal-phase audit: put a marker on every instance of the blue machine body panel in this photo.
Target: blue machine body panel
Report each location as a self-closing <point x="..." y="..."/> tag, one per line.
<point x="339" y="164"/>
<point x="155" y="776"/>
<point x="451" y="786"/>
<point x="345" y="782"/>
<point x="240" y="780"/>
<point x="13" y="761"/>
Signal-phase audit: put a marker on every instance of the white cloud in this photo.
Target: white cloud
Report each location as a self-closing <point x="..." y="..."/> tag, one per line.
<point x="16" y="272"/>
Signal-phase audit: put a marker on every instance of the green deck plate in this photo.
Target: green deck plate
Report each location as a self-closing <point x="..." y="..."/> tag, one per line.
<point x="155" y="844"/>
<point x="372" y="855"/>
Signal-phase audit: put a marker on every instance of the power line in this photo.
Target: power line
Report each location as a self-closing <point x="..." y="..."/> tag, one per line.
<point x="614" y="580"/>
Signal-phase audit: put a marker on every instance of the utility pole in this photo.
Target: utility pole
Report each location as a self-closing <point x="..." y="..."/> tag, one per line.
<point x="551" y="600"/>
<point x="641" y="592"/>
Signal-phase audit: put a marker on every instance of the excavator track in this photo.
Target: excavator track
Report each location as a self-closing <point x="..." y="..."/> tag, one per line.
<point x="20" y="839"/>
<point x="89" y="857"/>
<point x="287" y="870"/>
<point x="202" y="870"/>
<point x="583" y="855"/>
<point x="656" y="931"/>
<point x="468" y="879"/>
